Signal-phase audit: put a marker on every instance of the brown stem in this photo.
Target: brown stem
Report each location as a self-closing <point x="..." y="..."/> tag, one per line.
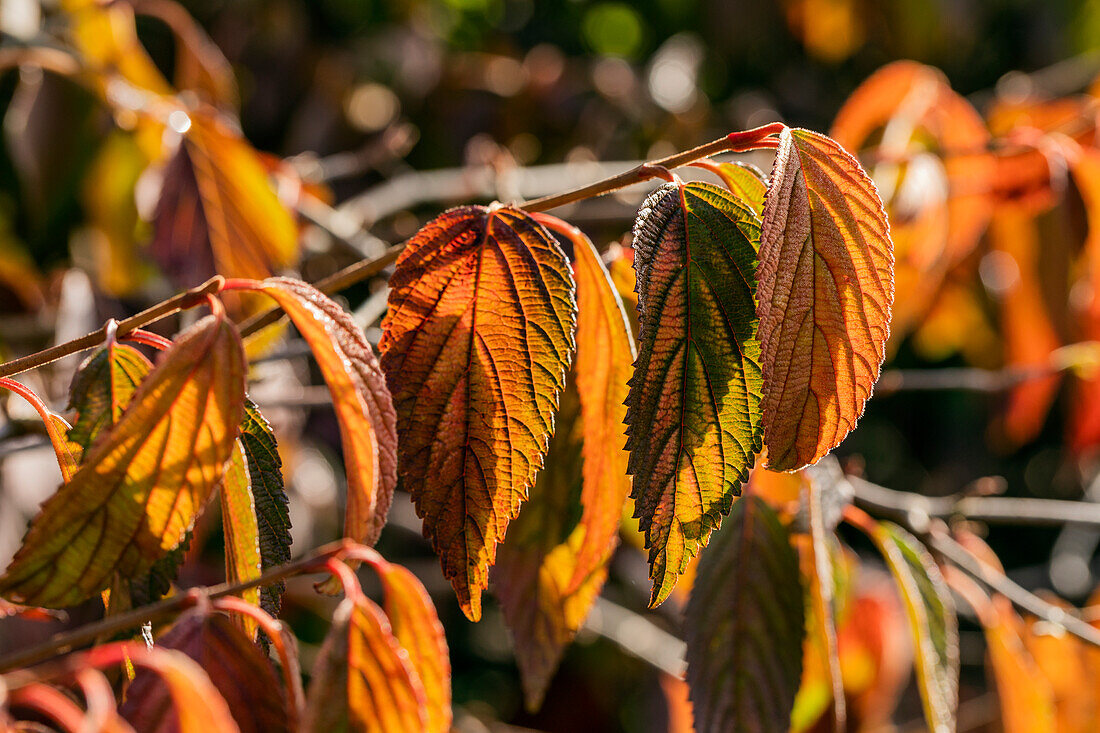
<point x="183" y="301"/>
<point x="68" y="640"/>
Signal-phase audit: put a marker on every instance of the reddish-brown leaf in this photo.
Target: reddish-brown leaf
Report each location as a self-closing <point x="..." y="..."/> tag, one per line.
<point x="475" y="345"/>
<point x="143" y="482"/>
<point x="236" y="667"/>
<point x="368" y="423"/>
<point x="825" y="292"/>
<point x="362" y="679"/>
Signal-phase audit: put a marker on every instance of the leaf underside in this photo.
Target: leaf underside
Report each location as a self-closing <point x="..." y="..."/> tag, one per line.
<point x="693" y="411"/>
<point x="825" y="294"/>
<point x="744" y="625"/>
<point x="475" y="346"/>
<point x="144" y="481"/>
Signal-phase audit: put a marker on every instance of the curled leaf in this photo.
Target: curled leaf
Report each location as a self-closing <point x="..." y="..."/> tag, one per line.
<point x="242" y="533"/>
<point x="475" y="345"/>
<point x="825" y="292"/>
<point x="744" y="625"/>
<point x="693" y="410"/>
<point x="368" y="424"/>
<point x="143" y="482"/>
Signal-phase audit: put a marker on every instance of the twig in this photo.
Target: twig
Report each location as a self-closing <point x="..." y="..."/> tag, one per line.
<point x="637" y="636"/>
<point x="183" y="301"/>
<point x="969" y="379"/>
<point x="915" y="509"/>
<point x="68" y="640"/>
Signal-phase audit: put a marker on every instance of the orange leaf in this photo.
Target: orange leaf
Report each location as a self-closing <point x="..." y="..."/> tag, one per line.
<point x="553" y="562"/>
<point x="416" y="627"/>
<point x="362" y="679"/>
<point x="475" y="345"/>
<point x="218" y="212"/>
<point x="56" y="428"/>
<point x="235" y="666"/>
<point x="363" y="405"/>
<point x="242" y="533"/>
<point x="826" y="288"/>
<point x="142" y="484"/>
<point x="1027" y="700"/>
<point x="1072" y="667"/>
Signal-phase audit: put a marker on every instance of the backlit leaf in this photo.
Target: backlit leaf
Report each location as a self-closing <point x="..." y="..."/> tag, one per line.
<point x="694" y="405"/>
<point x="102" y="388"/>
<point x="1072" y="667"/>
<point x="554" y="561"/>
<point x="744" y="625"/>
<point x="825" y="292"/>
<point x="143" y="482"/>
<point x="57" y="428"/>
<point x="1027" y="699"/>
<point x="362" y="679"/>
<point x="242" y="533"/>
<point x="368" y="424"/>
<point x="932" y="622"/>
<point x="265" y="473"/>
<point x="416" y="627"/>
<point x="746" y="182"/>
<point x="236" y="667"/>
<point x="475" y="346"/>
<point x="218" y="212"/>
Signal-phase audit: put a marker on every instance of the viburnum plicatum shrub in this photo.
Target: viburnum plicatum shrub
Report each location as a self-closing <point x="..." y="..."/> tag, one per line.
<point x="510" y="398"/>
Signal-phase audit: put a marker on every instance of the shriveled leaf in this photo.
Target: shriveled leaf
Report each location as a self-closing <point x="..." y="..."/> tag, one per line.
<point x="242" y="533"/>
<point x="554" y="561"/>
<point x="362" y="679"/>
<point x="265" y="474"/>
<point x="693" y="411"/>
<point x="826" y="286"/>
<point x="102" y="388"/>
<point x="475" y="346"/>
<point x="744" y="625"/>
<point x="218" y="212"/>
<point x="368" y="424"/>
<point x="143" y="482"/>
<point x="238" y="670"/>
<point x="932" y="622"/>
<point x="416" y="627"/>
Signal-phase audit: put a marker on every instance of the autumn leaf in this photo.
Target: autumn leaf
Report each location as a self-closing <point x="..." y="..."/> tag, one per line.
<point x="362" y="679"/>
<point x="218" y="212"/>
<point x="57" y="428"/>
<point x="475" y="346"/>
<point x="242" y="533"/>
<point x="693" y="407"/>
<point x="1027" y="699"/>
<point x="265" y="475"/>
<point x="102" y="388"/>
<point x="932" y="622"/>
<point x="143" y="482"/>
<point x="744" y="625"/>
<point x="239" y="671"/>
<point x="744" y="181"/>
<point x="417" y="630"/>
<point x="1072" y="667"/>
<point x="364" y="408"/>
<point x="825" y="293"/>
<point x="554" y="560"/>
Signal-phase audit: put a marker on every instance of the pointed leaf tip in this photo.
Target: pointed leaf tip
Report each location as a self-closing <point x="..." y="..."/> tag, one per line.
<point x="475" y="346"/>
<point x="693" y="410"/>
<point x="825" y="296"/>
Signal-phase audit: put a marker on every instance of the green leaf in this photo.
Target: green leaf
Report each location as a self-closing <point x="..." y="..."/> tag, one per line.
<point x="102" y="388"/>
<point x="746" y="182"/>
<point x="744" y="625"/>
<point x="931" y="620"/>
<point x="265" y="472"/>
<point x="693" y="408"/>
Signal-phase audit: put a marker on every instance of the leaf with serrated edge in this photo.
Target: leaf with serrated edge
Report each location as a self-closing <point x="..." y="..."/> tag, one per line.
<point x="826" y="287"/>
<point x="237" y="668"/>
<point x="932" y="622"/>
<point x="416" y="627"/>
<point x="553" y="562"/>
<point x="102" y="388"/>
<point x="475" y="345"/>
<point x="746" y="182"/>
<point x="693" y="411"/>
<point x="265" y="473"/>
<point x="143" y="482"/>
<point x="368" y="424"/>
<point x="744" y="625"/>
<point x="242" y="533"/>
<point x="362" y="679"/>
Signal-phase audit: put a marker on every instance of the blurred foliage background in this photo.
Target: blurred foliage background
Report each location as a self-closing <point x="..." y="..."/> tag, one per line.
<point x="354" y="93"/>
